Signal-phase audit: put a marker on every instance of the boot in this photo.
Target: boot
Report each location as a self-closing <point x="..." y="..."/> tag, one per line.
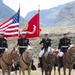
<point x="13" y="68"/>
<point x="40" y="64"/>
<point x="17" y="66"/>
<point x="33" y="66"/>
<point x="60" y="62"/>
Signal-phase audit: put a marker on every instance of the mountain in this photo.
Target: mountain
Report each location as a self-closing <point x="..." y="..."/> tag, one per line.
<point x="6" y="12"/>
<point x="47" y="17"/>
<point x="67" y="15"/>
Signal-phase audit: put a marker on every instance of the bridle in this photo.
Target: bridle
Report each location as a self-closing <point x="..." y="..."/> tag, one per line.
<point x="9" y="65"/>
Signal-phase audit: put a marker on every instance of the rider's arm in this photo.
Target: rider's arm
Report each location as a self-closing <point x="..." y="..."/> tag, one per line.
<point x="41" y="41"/>
<point x="18" y="42"/>
<point x="59" y="44"/>
<point x="5" y="44"/>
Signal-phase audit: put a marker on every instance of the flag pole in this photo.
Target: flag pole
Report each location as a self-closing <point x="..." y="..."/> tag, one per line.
<point x="39" y="29"/>
<point x="19" y="20"/>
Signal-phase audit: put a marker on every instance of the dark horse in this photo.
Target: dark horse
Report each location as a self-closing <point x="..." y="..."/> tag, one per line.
<point x="48" y="61"/>
<point x="69" y="60"/>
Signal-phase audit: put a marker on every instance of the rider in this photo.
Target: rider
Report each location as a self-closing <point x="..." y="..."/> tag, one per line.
<point x="3" y="44"/>
<point x="23" y="44"/>
<point x="63" y="46"/>
<point x="46" y="41"/>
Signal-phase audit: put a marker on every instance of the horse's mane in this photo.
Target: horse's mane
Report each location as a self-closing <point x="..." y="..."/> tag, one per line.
<point x="7" y="53"/>
<point x="48" y="52"/>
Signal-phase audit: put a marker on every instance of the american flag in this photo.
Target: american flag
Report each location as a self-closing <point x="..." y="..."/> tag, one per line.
<point x="11" y="26"/>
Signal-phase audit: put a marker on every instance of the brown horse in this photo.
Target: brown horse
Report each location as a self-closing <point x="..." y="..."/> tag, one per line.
<point x="69" y="60"/>
<point x="56" y="64"/>
<point x="48" y="61"/>
<point x="25" y="61"/>
<point x="7" y="60"/>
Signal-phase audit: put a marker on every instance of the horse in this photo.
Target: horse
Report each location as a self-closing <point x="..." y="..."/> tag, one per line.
<point x="7" y="60"/>
<point x="69" y="60"/>
<point x="25" y="61"/>
<point x="56" y="64"/>
<point x="48" y="60"/>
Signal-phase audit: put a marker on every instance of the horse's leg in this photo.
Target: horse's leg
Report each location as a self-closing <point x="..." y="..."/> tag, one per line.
<point x="9" y="71"/>
<point x="64" y="69"/>
<point x="50" y="71"/>
<point x="19" y="71"/>
<point x="16" y="72"/>
<point x="70" y="71"/>
<point x="42" y="70"/>
<point x="46" y="72"/>
<point x="54" y="70"/>
<point x="29" y="70"/>
<point x="59" y="70"/>
<point x="23" y="71"/>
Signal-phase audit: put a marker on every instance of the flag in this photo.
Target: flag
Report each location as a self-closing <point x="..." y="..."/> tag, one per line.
<point x="11" y="26"/>
<point x="32" y="27"/>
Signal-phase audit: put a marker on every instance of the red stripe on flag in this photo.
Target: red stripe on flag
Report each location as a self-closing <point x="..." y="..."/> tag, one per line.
<point x="14" y="26"/>
<point x="11" y="26"/>
<point x="10" y="35"/>
<point x="12" y="31"/>
<point x="5" y="22"/>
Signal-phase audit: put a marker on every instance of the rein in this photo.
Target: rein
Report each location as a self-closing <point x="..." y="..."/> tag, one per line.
<point x="28" y="64"/>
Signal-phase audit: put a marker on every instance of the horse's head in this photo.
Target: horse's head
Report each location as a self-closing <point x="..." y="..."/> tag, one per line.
<point x="29" y="54"/>
<point x="70" y="46"/>
<point x="50" y="56"/>
<point x="15" y="53"/>
<point x="72" y="52"/>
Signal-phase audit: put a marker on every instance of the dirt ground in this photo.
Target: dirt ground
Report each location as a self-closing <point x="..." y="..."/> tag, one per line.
<point x="38" y="71"/>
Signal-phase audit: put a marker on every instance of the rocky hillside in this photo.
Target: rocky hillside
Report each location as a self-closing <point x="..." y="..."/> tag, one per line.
<point x="60" y="15"/>
<point x="47" y="17"/>
<point x="67" y="15"/>
<point x="6" y="12"/>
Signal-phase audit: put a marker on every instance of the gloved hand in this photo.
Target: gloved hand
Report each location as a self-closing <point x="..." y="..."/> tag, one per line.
<point x="59" y="50"/>
<point x="49" y="48"/>
<point x="6" y="49"/>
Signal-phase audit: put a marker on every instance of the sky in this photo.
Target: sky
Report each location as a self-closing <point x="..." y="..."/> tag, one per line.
<point x="30" y="5"/>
